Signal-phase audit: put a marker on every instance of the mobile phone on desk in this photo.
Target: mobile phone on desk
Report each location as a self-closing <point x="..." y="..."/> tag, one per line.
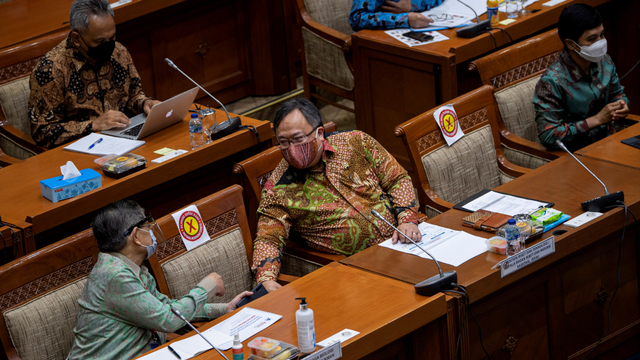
<point x="418" y="36"/>
<point x="258" y="292"/>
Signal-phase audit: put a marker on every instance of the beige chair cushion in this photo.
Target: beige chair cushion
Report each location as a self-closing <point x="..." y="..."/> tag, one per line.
<point x="326" y="61"/>
<point x="516" y="109"/>
<point x="461" y="170"/>
<point x="225" y="255"/>
<point x="14" y="101"/>
<point x="522" y="158"/>
<point x="42" y="329"/>
<point x="331" y="13"/>
<point x="296" y="266"/>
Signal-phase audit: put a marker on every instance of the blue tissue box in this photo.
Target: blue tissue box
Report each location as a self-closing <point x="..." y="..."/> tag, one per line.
<point x="56" y="189"/>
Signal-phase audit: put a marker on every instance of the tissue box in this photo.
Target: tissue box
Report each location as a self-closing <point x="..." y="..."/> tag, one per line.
<point x="56" y="189"/>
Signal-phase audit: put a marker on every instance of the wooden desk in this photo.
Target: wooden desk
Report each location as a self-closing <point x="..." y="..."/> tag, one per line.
<point x="555" y="307"/>
<point x="612" y="150"/>
<point x="160" y="188"/>
<point x="391" y="318"/>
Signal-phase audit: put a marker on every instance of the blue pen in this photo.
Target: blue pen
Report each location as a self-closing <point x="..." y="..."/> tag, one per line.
<point x="94" y="144"/>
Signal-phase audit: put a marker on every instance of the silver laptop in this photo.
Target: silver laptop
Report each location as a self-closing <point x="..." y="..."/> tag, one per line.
<point x="161" y="116"/>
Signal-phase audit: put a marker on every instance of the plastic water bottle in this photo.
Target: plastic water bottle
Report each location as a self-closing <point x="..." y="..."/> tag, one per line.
<point x="512" y="234"/>
<point x="195" y="131"/>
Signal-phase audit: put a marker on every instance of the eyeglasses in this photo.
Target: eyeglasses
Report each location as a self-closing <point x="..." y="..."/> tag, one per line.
<point x="147" y="219"/>
<point x="440" y="17"/>
<point x="296" y="140"/>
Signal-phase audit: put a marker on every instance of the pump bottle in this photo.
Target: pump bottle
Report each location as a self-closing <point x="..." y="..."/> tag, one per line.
<point x="237" y="348"/>
<point x="306" y="328"/>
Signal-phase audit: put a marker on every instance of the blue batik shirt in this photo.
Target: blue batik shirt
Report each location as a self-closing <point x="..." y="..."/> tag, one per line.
<point x="366" y="14"/>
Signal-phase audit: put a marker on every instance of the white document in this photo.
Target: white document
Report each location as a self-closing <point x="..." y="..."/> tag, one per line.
<point x="447" y="121"/>
<point x="455" y="7"/>
<point x="165" y="354"/>
<point x="191" y="227"/>
<point x="107" y="146"/>
<point x="442" y="19"/>
<point x="247" y="322"/>
<point x="195" y="345"/>
<point x="504" y="204"/>
<point x="397" y="34"/>
<point x="446" y="245"/>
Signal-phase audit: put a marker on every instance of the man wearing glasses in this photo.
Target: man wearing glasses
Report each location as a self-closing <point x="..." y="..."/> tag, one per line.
<point x="121" y="313"/>
<point x="324" y="190"/>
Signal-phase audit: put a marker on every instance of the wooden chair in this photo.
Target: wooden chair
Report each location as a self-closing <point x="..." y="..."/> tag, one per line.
<point x="326" y="56"/>
<point x="39" y="298"/>
<point x="229" y="252"/>
<point x="16" y="64"/>
<point x="298" y="259"/>
<point x="514" y="73"/>
<point x="17" y="239"/>
<point x="445" y="174"/>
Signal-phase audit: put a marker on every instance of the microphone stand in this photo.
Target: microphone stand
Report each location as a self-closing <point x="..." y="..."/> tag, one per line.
<point x="434" y="284"/>
<point x="471" y="31"/>
<point x="178" y="314"/>
<point x="217" y="131"/>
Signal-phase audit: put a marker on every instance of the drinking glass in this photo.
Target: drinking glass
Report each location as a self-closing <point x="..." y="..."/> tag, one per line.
<point x="524" y="224"/>
<point x="208" y="117"/>
<point x="511" y="9"/>
<point x="523" y="11"/>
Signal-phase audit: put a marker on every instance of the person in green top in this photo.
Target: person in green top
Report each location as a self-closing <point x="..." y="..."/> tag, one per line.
<point x="579" y="97"/>
<point x="121" y="311"/>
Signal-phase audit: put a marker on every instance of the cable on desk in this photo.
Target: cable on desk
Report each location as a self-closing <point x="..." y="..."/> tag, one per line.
<point x="255" y="132"/>
<point x="624" y="230"/>
<point x="510" y="38"/>
<point x="495" y="43"/>
<point x="464" y="319"/>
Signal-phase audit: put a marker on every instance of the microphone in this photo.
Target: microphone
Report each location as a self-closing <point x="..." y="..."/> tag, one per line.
<point x="217" y="131"/>
<point x="434" y="284"/>
<point x="471" y="31"/>
<point x="602" y="203"/>
<point x="178" y="314"/>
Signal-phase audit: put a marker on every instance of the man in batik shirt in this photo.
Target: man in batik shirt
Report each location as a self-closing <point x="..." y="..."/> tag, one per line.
<point x="87" y="82"/>
<point x="579" y="97"/>
<point x="390" y="14"/>
<point x="324" y="190"/>
<point x="121" y="311"/>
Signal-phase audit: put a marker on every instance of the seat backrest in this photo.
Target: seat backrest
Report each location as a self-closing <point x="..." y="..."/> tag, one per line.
<point x="520" y="61"/>
<point x="39" y="298"/>
<point x="14" y="104"/>
<point x="331" y="13"/>
<point x="229" y="252"/>
<point x="517" y="110"/>
<point x="470" y="164"/>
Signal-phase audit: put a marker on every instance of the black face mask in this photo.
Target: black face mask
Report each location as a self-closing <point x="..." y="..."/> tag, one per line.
<point x="102" y="52"/>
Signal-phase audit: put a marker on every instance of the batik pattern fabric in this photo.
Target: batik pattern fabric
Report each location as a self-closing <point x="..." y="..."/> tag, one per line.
<point x="366" y="14"/>
<point x="120" y="307"/>
<point x="68" y="93"/>
<point x="566" y="96"/>
<point x="330" y="208"/>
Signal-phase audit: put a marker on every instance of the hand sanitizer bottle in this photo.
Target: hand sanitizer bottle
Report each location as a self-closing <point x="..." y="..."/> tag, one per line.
<point x="306" y="328"/>
<point x="238" y="353"/>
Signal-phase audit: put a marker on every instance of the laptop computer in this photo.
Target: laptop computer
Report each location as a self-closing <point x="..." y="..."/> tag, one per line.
<point x="633" y="141"/>
<point x="161" y="116"/>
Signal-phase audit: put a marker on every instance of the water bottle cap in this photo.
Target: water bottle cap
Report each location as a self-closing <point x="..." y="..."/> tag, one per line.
<point x="194" y="116"/>
<point x="511" y="222"/>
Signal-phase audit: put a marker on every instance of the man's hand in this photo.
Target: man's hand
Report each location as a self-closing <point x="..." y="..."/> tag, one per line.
<point x="607" y="114"/>
<point x="417" y="20"/>
<point x="233" y="304"/>
<point x="271" y="285"/>
<point x="622" y="112"/>
<point x="409" y="229"/>
<point x="112" y="119"/>
<point x="149" y="104"/>
<point x="400" y="7"/>
<point x="219" y="284"/>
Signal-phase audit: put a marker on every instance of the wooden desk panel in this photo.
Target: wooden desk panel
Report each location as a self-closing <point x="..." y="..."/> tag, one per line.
<point x="22" y="199"/>
<point x="381" y="309"/>
<point x="611" y="149"/>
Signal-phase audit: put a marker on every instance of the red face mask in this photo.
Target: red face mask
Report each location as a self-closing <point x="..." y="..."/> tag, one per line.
<point x="300" y="156"/>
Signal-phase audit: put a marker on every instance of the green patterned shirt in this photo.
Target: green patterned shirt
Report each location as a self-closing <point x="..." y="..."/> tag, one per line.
<point x="120" y="306"/>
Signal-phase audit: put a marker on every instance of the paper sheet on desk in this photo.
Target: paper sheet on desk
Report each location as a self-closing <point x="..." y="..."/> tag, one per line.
<point x="504" y="204"/>
<point x="397" y="34"/>
<point x="455" y="7"/>
<point x="109" y="145"/>
<point x="446" y="245"/>
<point x="165" y="354"/>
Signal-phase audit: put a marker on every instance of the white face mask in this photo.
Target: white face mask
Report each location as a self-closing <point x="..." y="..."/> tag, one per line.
<point x="151" y="248"/>
<point x="593" y="52"/>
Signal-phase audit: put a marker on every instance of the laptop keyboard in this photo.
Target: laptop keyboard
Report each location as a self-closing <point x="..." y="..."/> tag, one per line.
<point x="134" y="131"/>
<point x="634" y="141"/>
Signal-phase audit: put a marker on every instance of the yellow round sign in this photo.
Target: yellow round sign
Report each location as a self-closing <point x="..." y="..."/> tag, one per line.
<point x="449" y="123"/>
<point x="191" y="225"/>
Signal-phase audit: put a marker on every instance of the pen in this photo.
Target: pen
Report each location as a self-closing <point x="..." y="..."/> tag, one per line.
<point x="94" y="144"/>
<point x="174" y="352"/>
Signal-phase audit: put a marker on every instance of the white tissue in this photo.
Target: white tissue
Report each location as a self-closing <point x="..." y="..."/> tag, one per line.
<point x="69" y="171"/>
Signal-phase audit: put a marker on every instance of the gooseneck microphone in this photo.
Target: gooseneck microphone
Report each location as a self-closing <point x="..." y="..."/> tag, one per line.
<point x="471" y="31"/>
<point x="217" y="131"/>
<point x="434" y="284"/>
<point x="178" y="314"/>
<point x="602" y="203"/>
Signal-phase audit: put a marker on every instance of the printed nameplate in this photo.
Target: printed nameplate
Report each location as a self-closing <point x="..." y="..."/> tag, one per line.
<point x="527" y="256"/>
<point x="333" y="351"/>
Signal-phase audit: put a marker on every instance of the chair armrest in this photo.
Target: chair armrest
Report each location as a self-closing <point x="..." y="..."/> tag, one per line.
<point x="422" y="218"/>
<point x="336" y="37"/>
<point x="12" y="354"/>
<point x="307" y="253"/>
<point x="286" y="279"/>
<point x="19" y="137"/>
<point x="508" y="167"/>
<point x="6" y="160"/>
<point x="515" y="142"/>
<point x="435" y="201"/>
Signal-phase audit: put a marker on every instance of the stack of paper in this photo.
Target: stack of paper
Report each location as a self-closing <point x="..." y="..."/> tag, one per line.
<point x="107" y="146"/>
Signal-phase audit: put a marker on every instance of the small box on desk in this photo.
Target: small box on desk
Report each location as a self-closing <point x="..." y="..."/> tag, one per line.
<point x="56" y="189"/>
